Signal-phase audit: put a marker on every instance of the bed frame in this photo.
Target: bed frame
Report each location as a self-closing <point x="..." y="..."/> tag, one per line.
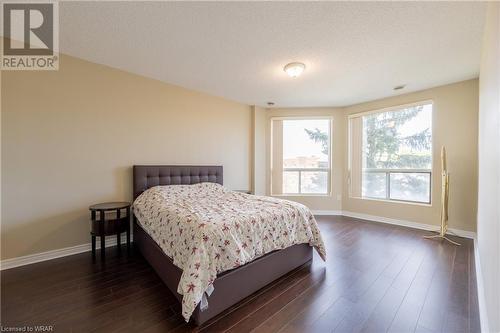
<point x="231" y="286"/>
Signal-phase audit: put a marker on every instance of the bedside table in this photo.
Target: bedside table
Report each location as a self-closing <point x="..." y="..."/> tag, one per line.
<point x="116" y="222"/>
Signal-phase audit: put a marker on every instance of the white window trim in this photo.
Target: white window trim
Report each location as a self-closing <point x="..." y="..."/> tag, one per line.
<point x="330" y="158"/>
<point x="392" y="201"/>
<point x="349" y="153"/>
<point x="391" y="108"/>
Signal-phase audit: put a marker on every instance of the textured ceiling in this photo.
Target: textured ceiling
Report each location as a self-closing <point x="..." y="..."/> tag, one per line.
<point x="353" y="51"/>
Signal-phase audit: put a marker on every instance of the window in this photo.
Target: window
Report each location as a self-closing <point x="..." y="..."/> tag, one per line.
<point x="391" y="154"/>
<point x="300" y="156"/>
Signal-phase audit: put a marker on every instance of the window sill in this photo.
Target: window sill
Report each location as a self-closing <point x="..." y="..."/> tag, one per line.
<point x="423" y="204"/>
<point x="301" y="195"/>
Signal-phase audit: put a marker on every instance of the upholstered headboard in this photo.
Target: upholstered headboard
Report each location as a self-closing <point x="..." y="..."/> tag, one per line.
<point x="146" y="176"/>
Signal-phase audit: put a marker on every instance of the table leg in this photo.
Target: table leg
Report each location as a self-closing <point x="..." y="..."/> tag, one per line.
<point x="118" y="242"/>
<point x="93" y="246"/>
<point x="103" y="246"/>
<point x="128" y="238"/>
<point x="128" y="229"/>
<point x="103" y="238"/>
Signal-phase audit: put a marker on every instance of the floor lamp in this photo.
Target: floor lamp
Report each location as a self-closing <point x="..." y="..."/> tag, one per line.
<point x="445" y="184"/>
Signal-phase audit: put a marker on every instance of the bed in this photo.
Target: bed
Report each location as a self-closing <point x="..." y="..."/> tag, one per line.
<point x="229" y="285"/>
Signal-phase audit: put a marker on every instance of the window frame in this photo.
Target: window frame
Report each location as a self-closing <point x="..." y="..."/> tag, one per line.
<point x="327" y="170"/>
<point x="429" y="171"/>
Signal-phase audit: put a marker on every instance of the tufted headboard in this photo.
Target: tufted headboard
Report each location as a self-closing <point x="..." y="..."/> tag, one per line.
<point x="146" y="176"/>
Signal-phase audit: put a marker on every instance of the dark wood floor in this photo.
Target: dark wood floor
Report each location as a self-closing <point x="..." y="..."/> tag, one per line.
<point x="377" y="278"/>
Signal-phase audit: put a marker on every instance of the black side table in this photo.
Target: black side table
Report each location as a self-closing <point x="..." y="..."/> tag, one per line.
<point x="103" y="227"/>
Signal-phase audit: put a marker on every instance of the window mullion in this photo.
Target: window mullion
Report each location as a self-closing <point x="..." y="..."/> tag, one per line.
<point x="300" y="181"/>
<point x="387" y="184"/>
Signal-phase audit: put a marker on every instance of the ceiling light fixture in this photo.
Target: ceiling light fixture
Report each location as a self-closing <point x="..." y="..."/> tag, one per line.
<point x="294" y="69"/>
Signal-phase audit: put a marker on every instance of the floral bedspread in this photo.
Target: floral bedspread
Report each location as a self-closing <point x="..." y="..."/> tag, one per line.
<point x="207" y="229"/>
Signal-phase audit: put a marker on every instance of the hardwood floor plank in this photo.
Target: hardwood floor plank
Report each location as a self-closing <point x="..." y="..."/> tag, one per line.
<point x="407" y="315"/>
<point x="259" y="316"/>
<point x="433" y="312"/>
<point x="365" y="307"/>
<point x="385" y="312"/>
<point x="457" y="314"/>
<point x="329" y="295"/>
<point x="474" y="321"/>
<point x="255" y="303"/>
<point x="318" y="305"/>
<point x="321" y="292"/>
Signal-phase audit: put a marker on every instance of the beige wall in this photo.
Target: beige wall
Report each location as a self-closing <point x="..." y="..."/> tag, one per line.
<point x="455" y="115"/>
<point x="260" y="159"/>
<point x="488" y="217"/>
<point x="333" y="201"/>
<point x="70" y="137"/>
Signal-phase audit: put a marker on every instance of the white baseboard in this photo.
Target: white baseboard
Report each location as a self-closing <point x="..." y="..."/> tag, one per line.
<point x="327" y="212"/>
<point x="483" y="314"/>
<point x="53" y="254"/>
<point x="410" y="224"/>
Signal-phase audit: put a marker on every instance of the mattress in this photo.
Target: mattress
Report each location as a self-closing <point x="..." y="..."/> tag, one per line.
<point x="207" y="229"/>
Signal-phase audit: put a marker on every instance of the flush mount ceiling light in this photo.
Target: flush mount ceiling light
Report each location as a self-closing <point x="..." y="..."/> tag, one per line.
<point x="294" y="69"/>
